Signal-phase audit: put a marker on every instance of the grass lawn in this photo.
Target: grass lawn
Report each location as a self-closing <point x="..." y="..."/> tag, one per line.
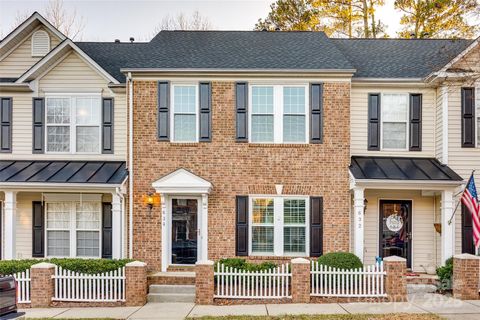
<point x="393" y="316"/>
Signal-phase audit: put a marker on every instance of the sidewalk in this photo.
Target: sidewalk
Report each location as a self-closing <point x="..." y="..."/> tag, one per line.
<point x="428" y="303"/>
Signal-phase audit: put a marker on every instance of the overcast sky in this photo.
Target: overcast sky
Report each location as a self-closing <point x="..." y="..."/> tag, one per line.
<point x="107" y="20"/>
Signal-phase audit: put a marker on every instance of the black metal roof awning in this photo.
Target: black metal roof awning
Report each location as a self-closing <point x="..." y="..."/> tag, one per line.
<point x="401" y="168"/>
<point x="70" y="172"/>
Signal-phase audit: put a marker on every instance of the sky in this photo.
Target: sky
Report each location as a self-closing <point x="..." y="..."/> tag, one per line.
<point x="107" y="20"/>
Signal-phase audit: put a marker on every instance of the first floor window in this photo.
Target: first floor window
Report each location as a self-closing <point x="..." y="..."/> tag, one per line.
<point x="394" y="121"/>
<point x="73" y="229"/>
<point x="279" y="226"/>
<point x="184" y="113"/>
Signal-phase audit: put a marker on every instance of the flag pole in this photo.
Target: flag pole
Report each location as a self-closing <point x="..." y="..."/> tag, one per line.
<point x="458" y="203"/>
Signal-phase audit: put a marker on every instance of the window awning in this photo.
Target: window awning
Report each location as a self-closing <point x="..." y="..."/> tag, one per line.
<point x="402" y="169"/>
<point x="62" y="172"/>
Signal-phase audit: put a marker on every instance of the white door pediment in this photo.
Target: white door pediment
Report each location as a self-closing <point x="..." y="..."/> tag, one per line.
<point x="182" y="181"/>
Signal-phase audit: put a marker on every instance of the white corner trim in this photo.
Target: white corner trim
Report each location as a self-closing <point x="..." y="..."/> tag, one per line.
<point x="444" y="92"/>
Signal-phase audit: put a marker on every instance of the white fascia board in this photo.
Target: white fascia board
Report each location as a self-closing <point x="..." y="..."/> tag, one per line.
<point x="90" y="187"/>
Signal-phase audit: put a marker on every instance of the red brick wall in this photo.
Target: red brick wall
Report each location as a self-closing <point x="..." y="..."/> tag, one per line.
<point x="241" y="169"/>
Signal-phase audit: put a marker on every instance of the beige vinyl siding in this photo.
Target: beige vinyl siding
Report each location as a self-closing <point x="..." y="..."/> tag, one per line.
<point x="359" y="121"/>
<point x="20" y="59"/>
<point x="424" y="250"/>
<point x="72" y="75"/>
<point x="439" y="124"/>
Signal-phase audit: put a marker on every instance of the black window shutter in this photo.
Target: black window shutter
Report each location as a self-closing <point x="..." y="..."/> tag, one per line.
<point x="241" y="245"/>
<point x="468" y="117"/>
<point x="38" y="229"/>
<point x="163" y="131"/>
<point x="107" y="125"/>
<point x="316" y="113"/>
<point x="205" y="111"/>
<point x="241" y="101"/>
<point x="415" y="122"/>
<point x="38" y="125"/>
<point x="374" y="121"/>
<point x="107" y="230"/>
<point x="316" y="226"/>
<point x="6" y="109"/>
<point x="467" y="231"/>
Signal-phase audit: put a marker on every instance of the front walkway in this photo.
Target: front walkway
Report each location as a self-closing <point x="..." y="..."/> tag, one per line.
<point x="426" y="303"/>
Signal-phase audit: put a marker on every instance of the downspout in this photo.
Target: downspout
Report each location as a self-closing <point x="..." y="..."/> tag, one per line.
<point x="130" y="165"/>
<point x="119" y="193"/>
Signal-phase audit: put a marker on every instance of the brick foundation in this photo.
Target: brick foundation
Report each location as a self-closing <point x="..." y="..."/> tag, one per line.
<point x="300" y="280"/>
<point x="204" y="282"/>
<point x="466" y="278"/>
<point x="136" y="283"/>
<point x="42" y="286"/>
<point x="395" y="280"/>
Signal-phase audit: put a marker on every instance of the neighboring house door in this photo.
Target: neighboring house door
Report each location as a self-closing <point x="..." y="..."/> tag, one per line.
<point x="184" y="228"/>
<point x="396" y="229"/>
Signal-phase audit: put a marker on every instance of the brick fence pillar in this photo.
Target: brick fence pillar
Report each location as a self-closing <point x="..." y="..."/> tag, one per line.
<point x="42" y="286"/>
<point x="466" y="276"/>
<point x="300" y="280"/>
<point x="204" y="282"/>
<point x="396" y="281"/>
<point x="136" y="283"/>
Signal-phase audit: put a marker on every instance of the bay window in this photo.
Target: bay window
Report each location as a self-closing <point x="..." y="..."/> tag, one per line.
<point x="395" y="121"/>
<point x="184" y="119"/>
<point x="278" y="226"/>
<point x="73" y="229"/>
<point x="73" y="124"/>
<point x="278" y="114"/>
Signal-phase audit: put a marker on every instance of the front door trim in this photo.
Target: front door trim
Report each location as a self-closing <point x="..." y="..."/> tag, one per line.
<point x="380" y="227"/>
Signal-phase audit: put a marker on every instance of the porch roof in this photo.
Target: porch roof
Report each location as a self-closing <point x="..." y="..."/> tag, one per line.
<point x="401" y="168"/>
<point x="63" y="172"/>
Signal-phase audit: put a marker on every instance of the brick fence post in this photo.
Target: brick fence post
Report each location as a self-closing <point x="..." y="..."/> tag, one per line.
<point x="204" y="282"/>
<point x="466" y="278"/>
<point x="136" y="283"/>
<point x="42" y="286"/>
<point x="300" y="280"/>
<point x="396" y="281"/>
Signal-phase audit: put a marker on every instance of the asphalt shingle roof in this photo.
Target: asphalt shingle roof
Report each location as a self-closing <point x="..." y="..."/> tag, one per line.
<point x="399" y="58"/>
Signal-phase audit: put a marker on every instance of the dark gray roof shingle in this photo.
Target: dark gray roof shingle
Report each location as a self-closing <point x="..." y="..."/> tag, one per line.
<point x="102" y="172"/>
<point x="399" y="58"/>
<point x="398" y="168"/>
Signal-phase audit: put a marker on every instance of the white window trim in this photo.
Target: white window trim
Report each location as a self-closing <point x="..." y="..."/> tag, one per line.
<point x="407" y="134"/>
<point x="73" y="123"/>
<point x="172" y="111"/>
<point x="32" y="43"/>
<point x="278" y="226"/>
<point x="72" y="231"/>
<point x="278" y="112"/>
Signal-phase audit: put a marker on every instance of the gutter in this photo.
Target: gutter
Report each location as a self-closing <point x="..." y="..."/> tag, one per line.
<point x="130" y="165"/>
<point x="16" y="87"/>
<point x="216" y="71"/>
<point x="397" y="80"/>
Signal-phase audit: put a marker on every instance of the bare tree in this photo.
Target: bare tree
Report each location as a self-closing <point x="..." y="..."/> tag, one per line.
<point x="183" y="22"/>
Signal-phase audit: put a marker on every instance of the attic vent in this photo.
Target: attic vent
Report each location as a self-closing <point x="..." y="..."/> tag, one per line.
<point x="40" y="43"/>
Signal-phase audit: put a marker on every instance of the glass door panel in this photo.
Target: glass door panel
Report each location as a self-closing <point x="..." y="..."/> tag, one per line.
<point x="184" y="231"/>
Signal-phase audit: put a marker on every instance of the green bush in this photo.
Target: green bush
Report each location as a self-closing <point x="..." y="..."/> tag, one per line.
<point x="341" y="260"/>
<point x="241" y="264"/>
<point x="89" y="266"/>
<point x="445" y="274"/>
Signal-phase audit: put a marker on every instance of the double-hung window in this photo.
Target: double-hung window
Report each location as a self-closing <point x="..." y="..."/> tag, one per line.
<point x="278" y="113"/>
<point x="395" y="121"/>
<point x="185" y="112"/>
<point x="73" y="124"/>
<point x="73" y="229"/>
<point x="279" y="226"/>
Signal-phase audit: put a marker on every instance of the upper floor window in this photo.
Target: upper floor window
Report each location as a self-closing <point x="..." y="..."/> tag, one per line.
<point x="40" y="43"/>
<point x="185" y="113"/>
<point x="73" y="124"/>
<point x="278" y="114"/>
<point x="394" y="121"/>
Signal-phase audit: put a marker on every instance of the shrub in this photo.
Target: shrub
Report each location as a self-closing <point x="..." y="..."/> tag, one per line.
<point x="241" y="264"/>
<point x="445" y="274"/>
<point x="8" y="267"/>
<point x="341" y="260"/>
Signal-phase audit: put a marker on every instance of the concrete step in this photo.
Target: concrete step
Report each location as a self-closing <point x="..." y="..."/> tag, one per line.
<point x="166" y="288"/>
<point x="171" y="297"/>
<point x="421" y="288"/>
<point x="172" y="278"/>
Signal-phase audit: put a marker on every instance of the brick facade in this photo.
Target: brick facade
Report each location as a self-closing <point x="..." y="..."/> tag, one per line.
<point x="241" y="169"/>
<point x="466" y="277"/>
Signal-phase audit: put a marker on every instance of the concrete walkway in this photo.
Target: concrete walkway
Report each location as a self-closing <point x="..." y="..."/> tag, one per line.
<point x="426" y="303"/>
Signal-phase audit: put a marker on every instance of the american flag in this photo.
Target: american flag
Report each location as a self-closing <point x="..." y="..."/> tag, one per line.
<point x="470" y="200"/>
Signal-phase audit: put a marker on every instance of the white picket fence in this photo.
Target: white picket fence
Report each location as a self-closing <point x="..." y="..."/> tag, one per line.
<point x="23" y="286"/>
<point x="241" y="284"/>
<point x="361" y="282"/>
<point x="75" y="286"/>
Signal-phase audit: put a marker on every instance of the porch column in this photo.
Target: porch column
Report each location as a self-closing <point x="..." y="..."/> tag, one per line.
<point x="116" y="226"/>
<point x="10" y="221"/>
<point x="358" y="223"/>
<point x="163" y="204"/>
<point x="448" y="230"/>
<point x="204" y="228"/>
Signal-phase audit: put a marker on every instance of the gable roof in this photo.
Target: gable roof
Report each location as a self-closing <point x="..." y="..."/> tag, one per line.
<point x="399" y="58"/>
